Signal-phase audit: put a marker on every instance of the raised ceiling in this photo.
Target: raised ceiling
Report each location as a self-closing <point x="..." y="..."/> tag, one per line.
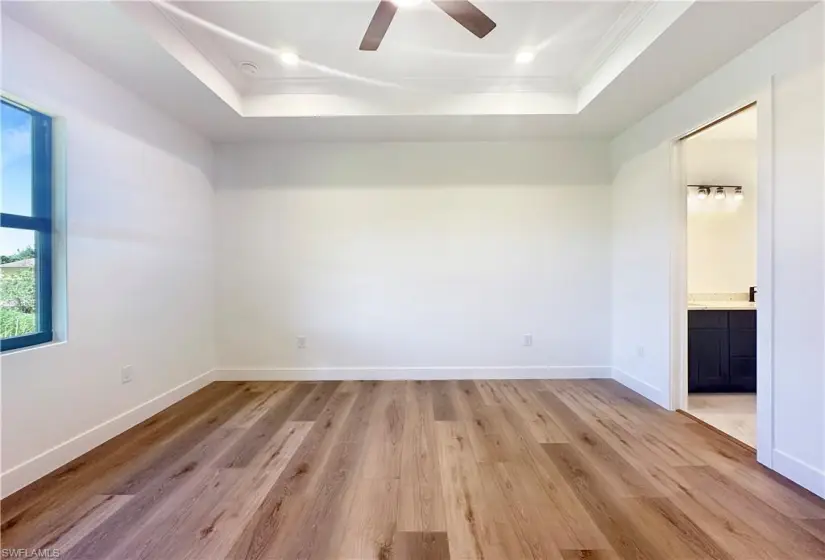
<point x="599" y="66"/>
<point x="423" y="49"/>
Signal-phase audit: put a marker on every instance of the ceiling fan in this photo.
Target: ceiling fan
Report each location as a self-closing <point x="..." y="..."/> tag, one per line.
<point x="463" y="11"/>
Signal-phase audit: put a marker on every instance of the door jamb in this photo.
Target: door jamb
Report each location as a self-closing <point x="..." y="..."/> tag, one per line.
<point x="765" y="370"/>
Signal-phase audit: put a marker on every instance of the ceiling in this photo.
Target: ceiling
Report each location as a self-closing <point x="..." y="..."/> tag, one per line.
<point x="598" y="67"/>
<point x="423" y="50"/>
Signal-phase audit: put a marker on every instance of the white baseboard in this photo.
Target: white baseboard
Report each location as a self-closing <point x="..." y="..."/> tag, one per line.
<point x="412" y="373"/>
<point x="645" y="389"/>
<point x="800" y="472"/>
<point x="27" y="472"/>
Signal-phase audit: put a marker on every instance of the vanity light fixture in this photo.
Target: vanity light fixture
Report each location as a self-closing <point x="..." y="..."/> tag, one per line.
<point x="719" y="191"/>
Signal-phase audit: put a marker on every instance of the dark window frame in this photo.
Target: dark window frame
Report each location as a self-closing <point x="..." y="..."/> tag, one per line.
<point x="41" y="223"/>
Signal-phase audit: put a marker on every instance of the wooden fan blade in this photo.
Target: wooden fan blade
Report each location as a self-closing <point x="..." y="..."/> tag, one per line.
<point x="465" y="13"/>
<point x="378" y="25"/>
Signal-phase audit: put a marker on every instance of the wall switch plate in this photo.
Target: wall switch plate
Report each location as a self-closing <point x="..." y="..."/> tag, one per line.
<point x="126" y="374"/>
<point x="302" y="342"/>
<point x="640" y="351"/>
<point x="528" y="339"/>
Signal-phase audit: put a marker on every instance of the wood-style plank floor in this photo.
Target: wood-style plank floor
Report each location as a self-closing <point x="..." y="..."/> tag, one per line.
<point x="416" y="470"/>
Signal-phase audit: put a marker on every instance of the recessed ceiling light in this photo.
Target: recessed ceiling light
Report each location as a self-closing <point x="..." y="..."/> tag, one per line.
<point x="248" y="68"/>
<point x="406" y="3"/>
<point x="289" y="58"/>
<point x="525" y="57"/>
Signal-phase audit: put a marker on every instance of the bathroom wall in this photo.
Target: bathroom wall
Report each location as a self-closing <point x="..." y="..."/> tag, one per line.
<point x="721" y="234"/>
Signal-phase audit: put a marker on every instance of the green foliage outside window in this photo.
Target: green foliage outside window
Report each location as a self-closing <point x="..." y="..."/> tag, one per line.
<point x="17" y="296"/>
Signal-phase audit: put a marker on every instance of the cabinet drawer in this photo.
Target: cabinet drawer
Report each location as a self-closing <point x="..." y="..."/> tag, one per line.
<point x="698" y="319"/>
<point x="743" y="343"/>
<point x="745" y="319"/>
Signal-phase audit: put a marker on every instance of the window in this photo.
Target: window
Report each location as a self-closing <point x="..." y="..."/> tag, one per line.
<point x="25" y="227"/>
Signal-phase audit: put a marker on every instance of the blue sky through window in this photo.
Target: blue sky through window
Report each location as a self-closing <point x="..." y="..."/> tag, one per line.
<point x="16" y="192"/>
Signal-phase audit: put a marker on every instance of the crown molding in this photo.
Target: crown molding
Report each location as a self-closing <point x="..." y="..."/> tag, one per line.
<point x="407" y="103"/>
<point x="434" y="85"/>
<point x="636" y="38"/>
<point x="630" y="18"/>
<point x="171" y="38"/>
<point x="210" y="51"/>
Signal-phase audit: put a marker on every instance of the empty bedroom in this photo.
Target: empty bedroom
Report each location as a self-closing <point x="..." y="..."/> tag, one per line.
<point x="411" y="279"/>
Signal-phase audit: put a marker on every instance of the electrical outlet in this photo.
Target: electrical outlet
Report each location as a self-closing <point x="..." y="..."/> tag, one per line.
<point x="302" y="342"/>
<point x="126" y="374"/>
<point x="528" y="339"/>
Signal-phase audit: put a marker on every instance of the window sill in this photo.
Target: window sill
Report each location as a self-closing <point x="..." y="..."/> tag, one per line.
<point x="40" y="346"/>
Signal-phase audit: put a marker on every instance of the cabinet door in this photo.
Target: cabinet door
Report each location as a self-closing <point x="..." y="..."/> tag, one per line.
<point x="743" y="343"/>
<point x="743" y="374"/>
<point x="744" y="319"/>
<point x="708" y="359"/>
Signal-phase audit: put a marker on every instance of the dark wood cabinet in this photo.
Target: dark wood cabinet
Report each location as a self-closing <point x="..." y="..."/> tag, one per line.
<point x="708" y="361"/>
<point x="742" y="343"/>
<point x="742" y="375"/>
<point x="722" y="351"/>
<point x="708" y="319"/>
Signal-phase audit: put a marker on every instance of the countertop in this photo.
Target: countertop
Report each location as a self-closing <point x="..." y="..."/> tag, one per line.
<point x="721" y="305"/>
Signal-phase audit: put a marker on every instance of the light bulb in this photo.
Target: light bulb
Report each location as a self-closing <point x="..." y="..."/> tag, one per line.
<point x="702" y="193"/>
<point x="738" y="194"/>
<point x="525" y="57"/>
<point x="720" y="194"/>
<point x="289" y="58"/>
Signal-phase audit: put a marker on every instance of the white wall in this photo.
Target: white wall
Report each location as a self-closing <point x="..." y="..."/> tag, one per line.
<point x="641" y="274"/>
<point x="787" y="68"/>
<point x="721" y="234"/>
<point x="139" y="253"/>
<point x="412" y="256"/>
<point x="799" y="277"/>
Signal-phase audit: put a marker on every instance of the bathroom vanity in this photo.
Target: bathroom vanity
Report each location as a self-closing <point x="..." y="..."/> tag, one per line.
<point x="722" y="349"/>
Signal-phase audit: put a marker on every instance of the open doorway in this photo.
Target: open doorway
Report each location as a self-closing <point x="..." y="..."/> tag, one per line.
<point x="719" y="169"/>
